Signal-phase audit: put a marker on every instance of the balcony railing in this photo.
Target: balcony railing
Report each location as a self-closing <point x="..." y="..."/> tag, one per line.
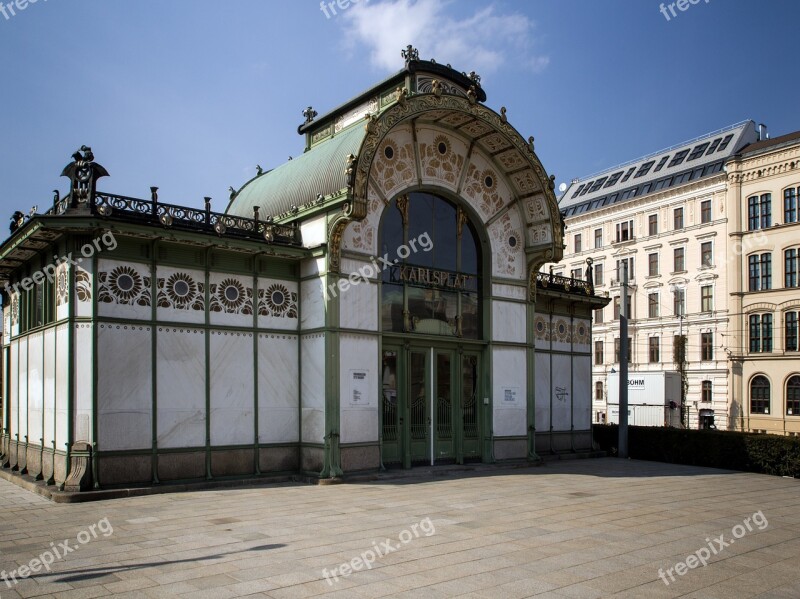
<point x="560" y="283"/>
<point x="153" y="212"/>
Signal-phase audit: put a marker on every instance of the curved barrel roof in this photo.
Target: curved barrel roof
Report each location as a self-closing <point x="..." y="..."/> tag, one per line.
<point x="320" y="170"/>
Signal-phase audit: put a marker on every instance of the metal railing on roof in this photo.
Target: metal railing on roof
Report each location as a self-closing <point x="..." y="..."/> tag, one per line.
<point x="153" y="212"/>
<point x="561" y="283"/>
<point x="669" y="149"/>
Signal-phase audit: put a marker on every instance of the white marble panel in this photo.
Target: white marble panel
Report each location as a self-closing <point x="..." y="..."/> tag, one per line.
<point x="124" y="290"/>
<point x="542" y="377"/>
<point x="278" y="388"/>
<point x="363" y="269"/>
<point x="581" y="341"/>
<point x="22" y="408"/>
<point x="508" y="242"/>
<point x="358" y="388"/>
<point x="231" y="376"/>
<point x="62" y="365"/>
<point x="509" y="322"/>
<point x="181" y="295"/>
<point x="124" y="387"/>
<point x="517" y="292"/>
<point x="13" y="400"/>
<point x="312" y="266"/>
<point x="312" y="388"/>
<point x="314" y="232"/>
<point x="509" y="390"/>
<point x="84" y="283"/>
<point x="83" y="382"/>
<point x="362" y="236"/>
<point x="561" y="332"/>
<point x="562" y="392"/>
<point x="181" y="385"/>
<point x="541" y="331"/>
<point x="358" y="307"/>
<point x="49" y="386"/>
<point x="230" y="300"/>
<point x="278" y="304"/>
<point x="312" y="304"/>
<point x="35" y="387"/>
<point x="582" y="392"/>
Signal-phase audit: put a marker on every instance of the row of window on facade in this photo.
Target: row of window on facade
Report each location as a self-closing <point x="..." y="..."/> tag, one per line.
<point x="759" y="209"/>
<point x="679" y="347"/>
<point x="761" y="395"/>
<point x="761" y="335"/>
<point x="654" y="304"/>
<point x="706" y="391"/>
<point x="759" y="267"/>
<point x="654" y="265"/>
<point x="624" y="229"/>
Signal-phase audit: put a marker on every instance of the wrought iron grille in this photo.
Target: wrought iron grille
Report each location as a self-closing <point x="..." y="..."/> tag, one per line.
<point x="152" y="212"/>
<point x="559" y="283"/>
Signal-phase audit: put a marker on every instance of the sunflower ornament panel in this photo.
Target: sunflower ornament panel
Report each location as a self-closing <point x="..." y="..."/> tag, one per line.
<point x="180" y="295"/>
<point x="123" y="289"/>
<point x="230" y="300"/>
<point x="277" y="304"/>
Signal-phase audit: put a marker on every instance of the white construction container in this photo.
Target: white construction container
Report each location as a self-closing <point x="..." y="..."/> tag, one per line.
<point x="649" y="397"/>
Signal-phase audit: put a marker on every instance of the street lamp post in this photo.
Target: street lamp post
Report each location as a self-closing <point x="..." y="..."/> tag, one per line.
<point x="623" y="364"/>
<point x="680" y="356"/>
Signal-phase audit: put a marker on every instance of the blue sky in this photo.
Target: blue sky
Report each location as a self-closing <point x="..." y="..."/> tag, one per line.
<point x="189" y="95"/>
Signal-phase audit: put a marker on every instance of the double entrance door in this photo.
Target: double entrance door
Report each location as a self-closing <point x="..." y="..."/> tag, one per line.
<point x="431" y="406"/>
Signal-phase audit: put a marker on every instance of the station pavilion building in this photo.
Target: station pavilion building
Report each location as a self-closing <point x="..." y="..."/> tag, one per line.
<point x="374" y="302"/>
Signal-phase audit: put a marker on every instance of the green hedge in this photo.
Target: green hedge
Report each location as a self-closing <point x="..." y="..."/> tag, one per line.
<point x="731" y="450"/>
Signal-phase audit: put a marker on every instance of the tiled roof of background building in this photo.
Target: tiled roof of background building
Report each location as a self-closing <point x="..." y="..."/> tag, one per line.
<point x="679" y="164"/>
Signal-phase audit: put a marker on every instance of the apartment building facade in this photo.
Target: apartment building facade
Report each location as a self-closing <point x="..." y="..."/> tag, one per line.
<point x="763" y="190"/>
<point x="665" y="216"/>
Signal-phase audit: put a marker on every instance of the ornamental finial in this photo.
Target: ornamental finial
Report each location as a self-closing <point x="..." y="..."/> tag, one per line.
<point x="411" y="54"/>
<point x="310" y="114"/>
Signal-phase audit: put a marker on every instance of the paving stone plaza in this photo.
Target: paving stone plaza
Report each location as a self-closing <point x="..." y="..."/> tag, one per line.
<point x="584" y="528"/>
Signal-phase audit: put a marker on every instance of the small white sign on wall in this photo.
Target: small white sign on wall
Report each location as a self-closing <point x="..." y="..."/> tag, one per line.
<point x="359" y="389"/>
<point x="509" y="398"/>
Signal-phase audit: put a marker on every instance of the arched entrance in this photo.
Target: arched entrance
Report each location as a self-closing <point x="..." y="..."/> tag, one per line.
<point x="432" y="332"/>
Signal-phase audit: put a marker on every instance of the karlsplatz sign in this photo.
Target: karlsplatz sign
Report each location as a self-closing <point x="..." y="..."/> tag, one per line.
<point x="429" y="277"/>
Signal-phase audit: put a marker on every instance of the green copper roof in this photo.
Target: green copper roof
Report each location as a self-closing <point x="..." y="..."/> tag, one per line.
<point x="320" y="170"/>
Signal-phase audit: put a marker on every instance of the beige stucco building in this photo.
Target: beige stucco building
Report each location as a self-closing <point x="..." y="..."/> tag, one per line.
<point x="665" y="214"/>
<point x="763" y="188"/>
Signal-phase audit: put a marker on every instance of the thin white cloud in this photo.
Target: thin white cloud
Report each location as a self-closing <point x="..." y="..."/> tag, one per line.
<point x="483" y="41"/>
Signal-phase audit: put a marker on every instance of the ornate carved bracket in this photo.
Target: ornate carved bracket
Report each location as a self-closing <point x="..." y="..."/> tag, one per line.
<point x="80" y="468"/>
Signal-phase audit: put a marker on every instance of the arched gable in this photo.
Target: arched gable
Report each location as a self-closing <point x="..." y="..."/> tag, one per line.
<point x="451" y="143"/>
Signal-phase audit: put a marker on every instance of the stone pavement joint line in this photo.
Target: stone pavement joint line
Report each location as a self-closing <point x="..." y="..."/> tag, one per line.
<point x="584" y="528"/>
